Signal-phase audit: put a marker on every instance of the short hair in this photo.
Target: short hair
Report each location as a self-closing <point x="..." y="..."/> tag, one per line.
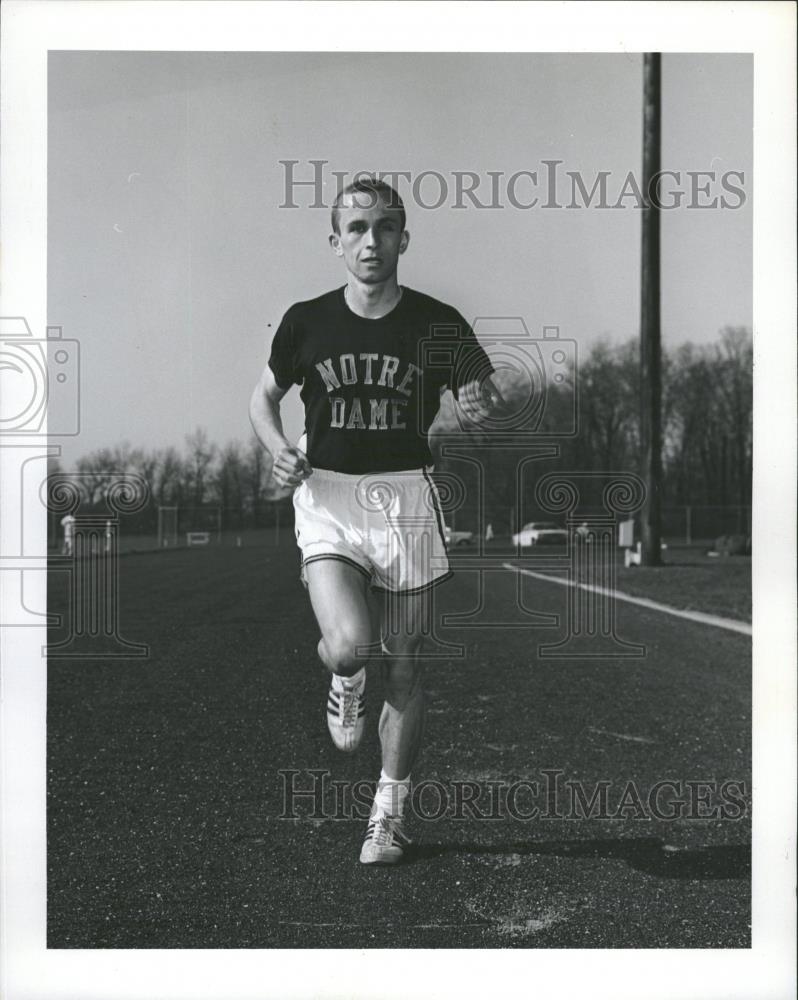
<point x="375" y="188"/>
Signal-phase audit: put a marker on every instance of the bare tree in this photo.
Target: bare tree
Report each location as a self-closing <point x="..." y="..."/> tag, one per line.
<point x="201" y="454"/>
<point x="95" y="472"/>
<point x="229" y="483"/>
<point x="146" y="464"/>
<point x="258" y="473"/>
<point x="709" y="439"/>
<point x="735" y="361"/>
<point x="608" y="386"/>
<point x="170" y="477"/>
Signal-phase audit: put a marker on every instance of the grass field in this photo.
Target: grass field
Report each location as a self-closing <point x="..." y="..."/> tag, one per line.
<point x="167" y="775"/>
<point x="693" y="581"/>
<point x="689" y="579"/>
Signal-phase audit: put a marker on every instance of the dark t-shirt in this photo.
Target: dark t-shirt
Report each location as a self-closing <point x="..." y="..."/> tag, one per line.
<point x="371" y="387"/>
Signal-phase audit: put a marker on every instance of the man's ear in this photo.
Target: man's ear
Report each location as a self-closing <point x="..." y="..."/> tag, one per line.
<point x="335" y="243"/>
<point x="404" y="240"/>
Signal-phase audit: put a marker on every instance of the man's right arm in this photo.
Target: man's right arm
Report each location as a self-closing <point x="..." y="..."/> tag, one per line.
<point x="291" y="465"/>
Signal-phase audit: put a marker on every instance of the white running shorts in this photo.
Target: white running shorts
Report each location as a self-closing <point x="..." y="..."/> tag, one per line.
<point x="388" y="525"/>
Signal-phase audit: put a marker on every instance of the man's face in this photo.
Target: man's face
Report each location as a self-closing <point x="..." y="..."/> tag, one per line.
<point x="369" y="238"/>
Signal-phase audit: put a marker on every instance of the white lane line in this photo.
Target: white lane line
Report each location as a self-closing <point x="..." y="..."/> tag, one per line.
<point x="380" y="925"/>
<point x="694" y="616"/>
<point x="619" y="736"/>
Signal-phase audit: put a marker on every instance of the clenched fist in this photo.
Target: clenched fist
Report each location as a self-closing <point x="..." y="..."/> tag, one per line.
<point x="478" y="402"/>
<point x="291" y="466"/>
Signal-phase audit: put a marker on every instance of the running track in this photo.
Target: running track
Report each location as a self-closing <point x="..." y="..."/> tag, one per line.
<point x="164" y="805"/>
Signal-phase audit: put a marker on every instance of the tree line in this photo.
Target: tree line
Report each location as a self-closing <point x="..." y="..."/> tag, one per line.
<point x="707" y="402"/>
<point x="237" y="478"/>
<point x="707" y="420"/>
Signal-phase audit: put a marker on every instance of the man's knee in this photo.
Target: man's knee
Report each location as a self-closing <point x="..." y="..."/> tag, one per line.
<point x="344" y="652"/>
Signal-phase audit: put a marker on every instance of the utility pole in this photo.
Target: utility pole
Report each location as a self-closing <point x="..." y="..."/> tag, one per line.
<point x="650" y="350"/>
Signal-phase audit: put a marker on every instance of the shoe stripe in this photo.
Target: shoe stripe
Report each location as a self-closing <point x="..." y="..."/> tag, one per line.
<point x="337" y="695"/>
<point x="397" y="837"/>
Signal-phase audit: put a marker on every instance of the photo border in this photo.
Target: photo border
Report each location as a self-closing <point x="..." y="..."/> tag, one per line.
<point x="767" y="30"/>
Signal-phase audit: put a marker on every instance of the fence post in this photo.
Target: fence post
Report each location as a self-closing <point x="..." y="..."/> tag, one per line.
<point x="689" y="524"/>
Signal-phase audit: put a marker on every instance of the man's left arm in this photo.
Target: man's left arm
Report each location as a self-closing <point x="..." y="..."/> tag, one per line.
<point x="477" y="397"/>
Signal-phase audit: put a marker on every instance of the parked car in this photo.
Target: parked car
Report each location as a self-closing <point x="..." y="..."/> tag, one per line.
<point x="540" y="533"/>
<point x="453" y="538"/>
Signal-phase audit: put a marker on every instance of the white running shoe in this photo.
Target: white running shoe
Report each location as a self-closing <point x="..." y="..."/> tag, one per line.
<point x="385" y="841"/>
<point x="346" y="712"/>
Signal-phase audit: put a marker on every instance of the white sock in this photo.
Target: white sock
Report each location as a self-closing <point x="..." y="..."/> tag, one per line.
<point x="357" y="680"/>
<point x="389" y="799"/>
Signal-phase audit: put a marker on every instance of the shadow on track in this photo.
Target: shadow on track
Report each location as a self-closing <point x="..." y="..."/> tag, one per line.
<point x="646" y="854"/>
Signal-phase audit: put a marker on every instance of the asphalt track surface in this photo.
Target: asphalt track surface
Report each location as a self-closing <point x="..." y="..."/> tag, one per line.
<point x="165" y="794"/>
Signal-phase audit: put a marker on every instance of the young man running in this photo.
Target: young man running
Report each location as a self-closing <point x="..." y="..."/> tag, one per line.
<point x="368" y="518"/>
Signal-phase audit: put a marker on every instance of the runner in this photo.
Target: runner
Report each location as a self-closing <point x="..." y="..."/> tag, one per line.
<point x="368" y="516"/>
<point x="68" y="524"/>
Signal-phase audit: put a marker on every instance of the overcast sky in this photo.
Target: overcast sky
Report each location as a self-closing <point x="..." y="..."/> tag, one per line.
<point x="172" y="262"/>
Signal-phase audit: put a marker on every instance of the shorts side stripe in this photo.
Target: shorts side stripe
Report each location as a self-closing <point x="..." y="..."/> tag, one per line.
<point x="415" y="590"/>
<point x="436" y="508"/>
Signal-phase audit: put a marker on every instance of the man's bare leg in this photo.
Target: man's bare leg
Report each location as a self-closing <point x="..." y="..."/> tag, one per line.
<point x="354" y="628"/>
<point x="349" y="635"/>
<point x="401" y="725"/>
<point x="345" y="612"/>
<point x="402" y="719"/>
<point x="340" y="598"/>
